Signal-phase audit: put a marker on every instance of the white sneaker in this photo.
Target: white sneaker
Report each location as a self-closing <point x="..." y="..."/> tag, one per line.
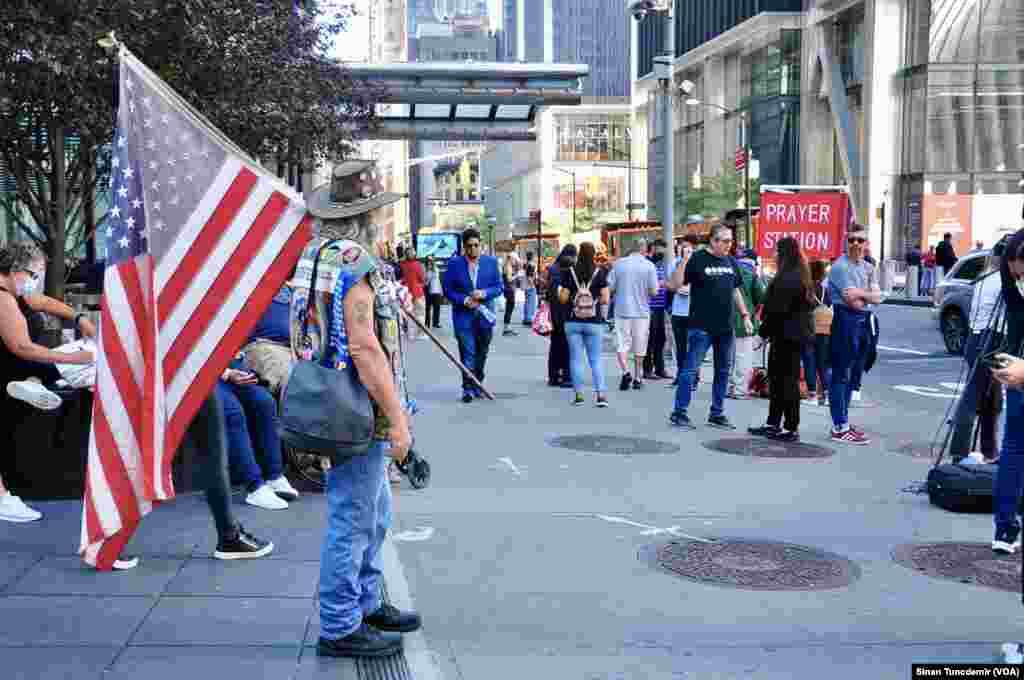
<point x="283" y="488"/>
<point x="34" y="393"/>
<point x="264" y="497"/>
<point x="12" y="509"/>
<point x="855" y="396"/>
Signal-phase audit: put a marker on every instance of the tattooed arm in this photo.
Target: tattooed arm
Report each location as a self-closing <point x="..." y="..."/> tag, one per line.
<point x="372" y="364"/>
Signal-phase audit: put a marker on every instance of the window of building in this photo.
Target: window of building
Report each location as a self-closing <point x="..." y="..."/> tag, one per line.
<point x="953" y="31"/>
<point x="850" y="41"/>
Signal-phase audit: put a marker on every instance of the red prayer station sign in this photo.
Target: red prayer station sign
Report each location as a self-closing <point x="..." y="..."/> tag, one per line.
<point x="818" y="222"/>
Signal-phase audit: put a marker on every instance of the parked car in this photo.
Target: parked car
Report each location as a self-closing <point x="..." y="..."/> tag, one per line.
<point x="952" y="299"/>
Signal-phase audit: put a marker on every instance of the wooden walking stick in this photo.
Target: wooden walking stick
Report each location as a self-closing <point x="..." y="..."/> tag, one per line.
<point x="451" y="357"/>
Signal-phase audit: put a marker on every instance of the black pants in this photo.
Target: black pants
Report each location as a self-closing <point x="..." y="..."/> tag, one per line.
<point x="208" y="434"/>
<point x="433" y="310"/>
<point x="22" y="369"/>
<point x="784" y="374"/>
<point x="558" y="354"/>
<point x="980" y="398"/>
<point x="510" y="305"/>
<point x="654" y="362"/>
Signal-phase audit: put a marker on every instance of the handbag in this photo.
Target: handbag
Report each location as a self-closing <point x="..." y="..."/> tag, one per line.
<point x="542" y="320"/>
<point x="823" y="319"/>
<point x="325" y="410"/>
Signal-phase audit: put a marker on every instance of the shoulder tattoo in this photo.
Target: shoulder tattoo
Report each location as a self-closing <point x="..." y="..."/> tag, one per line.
<point x="363" y="312"/>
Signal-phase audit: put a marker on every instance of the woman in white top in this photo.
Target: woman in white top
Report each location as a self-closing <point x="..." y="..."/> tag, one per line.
<point x="981" y="389"/>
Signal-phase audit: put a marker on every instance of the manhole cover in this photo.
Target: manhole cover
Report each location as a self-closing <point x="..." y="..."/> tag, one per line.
<point x="759" y="447"/>
<point x="600" y="443"/>
<point x="963" y="562"/>
<point x="757" y="565"/>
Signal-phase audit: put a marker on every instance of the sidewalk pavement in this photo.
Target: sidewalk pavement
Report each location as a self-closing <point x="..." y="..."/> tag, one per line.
<point x="523" y="560"/>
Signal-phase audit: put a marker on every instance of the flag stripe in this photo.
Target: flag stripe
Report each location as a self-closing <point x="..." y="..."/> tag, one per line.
<point x="117" y="362"/>
<point x="202" y="214"/>
<point x="217" y="259"/>
<point x="204" y="243"/>
<point x="241" y="327"/>
<point x="123" y="328"/>
<point x="235" y="264"/>
<point x="230" y="304"/>
<point x="114" y="469"/>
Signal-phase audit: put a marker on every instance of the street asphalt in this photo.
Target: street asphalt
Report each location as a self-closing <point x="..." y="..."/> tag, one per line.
<point x="532" y="561"/>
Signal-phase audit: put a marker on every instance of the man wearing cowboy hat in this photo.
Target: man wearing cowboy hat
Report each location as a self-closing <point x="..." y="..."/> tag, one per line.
<point x="352" y="294"/>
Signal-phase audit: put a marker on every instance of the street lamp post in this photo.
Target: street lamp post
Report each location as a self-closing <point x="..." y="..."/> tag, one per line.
<point x="745" y="143"/>
<point x="573" y="174"/>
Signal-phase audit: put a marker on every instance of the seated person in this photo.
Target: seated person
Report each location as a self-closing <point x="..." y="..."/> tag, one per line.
<point x="268" y="350"/>
<point x="250" y="418"/>
<point x="28" y="369"/>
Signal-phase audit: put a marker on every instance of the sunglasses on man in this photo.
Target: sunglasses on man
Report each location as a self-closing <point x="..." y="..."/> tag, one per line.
<point x="856" y="239"/>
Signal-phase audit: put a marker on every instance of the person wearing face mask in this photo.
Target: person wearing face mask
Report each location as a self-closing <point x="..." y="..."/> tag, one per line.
<point x="27" y="368"/>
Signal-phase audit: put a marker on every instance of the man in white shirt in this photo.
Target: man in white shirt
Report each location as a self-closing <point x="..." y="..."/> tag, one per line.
<point x="633" y="281"/>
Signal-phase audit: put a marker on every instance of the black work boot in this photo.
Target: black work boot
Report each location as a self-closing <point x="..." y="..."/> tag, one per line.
<point x="362" y="642"/>
<point x="392" y="619"/>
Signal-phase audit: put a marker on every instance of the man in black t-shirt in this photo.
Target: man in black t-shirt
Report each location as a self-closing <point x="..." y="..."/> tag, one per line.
<point x="714" y="282"/>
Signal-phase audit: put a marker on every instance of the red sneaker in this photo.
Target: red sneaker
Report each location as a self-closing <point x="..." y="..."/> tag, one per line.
<point x="850" y="436"/>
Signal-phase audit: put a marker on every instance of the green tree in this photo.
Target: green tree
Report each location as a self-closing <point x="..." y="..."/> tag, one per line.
<point x="719" y="193"/>
<point x="258" y="70"/>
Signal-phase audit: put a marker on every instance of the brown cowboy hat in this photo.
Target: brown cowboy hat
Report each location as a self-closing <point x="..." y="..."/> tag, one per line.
<point x="355" y="188"/>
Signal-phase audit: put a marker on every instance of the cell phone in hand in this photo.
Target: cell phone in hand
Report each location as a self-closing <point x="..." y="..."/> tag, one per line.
<point x="997" y="360"/>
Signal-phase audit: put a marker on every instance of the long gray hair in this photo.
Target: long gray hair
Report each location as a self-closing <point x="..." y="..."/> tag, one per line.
<point x="358" y="228"/>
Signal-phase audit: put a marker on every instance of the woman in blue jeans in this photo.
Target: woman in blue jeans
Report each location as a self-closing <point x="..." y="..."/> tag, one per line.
<point x="585" y="325"/>
<point x="250" y="420"/>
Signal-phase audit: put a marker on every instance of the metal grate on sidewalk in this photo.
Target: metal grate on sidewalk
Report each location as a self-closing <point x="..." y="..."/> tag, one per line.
<point x="390" y="668"/>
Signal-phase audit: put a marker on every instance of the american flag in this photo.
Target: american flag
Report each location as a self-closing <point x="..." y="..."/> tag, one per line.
<point x="199" y="239"/>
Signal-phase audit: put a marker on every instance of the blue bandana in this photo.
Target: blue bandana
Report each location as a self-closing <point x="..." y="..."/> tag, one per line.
<point x="337" y="354"/>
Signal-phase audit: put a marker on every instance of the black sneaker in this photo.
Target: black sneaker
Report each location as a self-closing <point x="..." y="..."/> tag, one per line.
<point x="364" y="641"/>
<point x="626" y="381"/>
<point x="637" y="384"/>
<point x="764" y="430"/>
<point x="1006" y="541"/>
<point x="393" y="620"/>
<point x="244" y="546"/>
<point x="467" y="396"/>
<point x="601" y="402"/>
<point x="721" y="422"/>
<point x="682" y="421"/>
<point x="785" y="436"/>
<point x="578" y="400"/>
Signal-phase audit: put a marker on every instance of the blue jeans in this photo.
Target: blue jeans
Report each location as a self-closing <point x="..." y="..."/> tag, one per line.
<point x="823" y="363"/>
<point x="358" y="518"/>
<point x="809" y="364"/>
<point x="474" y="344"/>
<point x="849" y="349"/>
<point x="530" y="307"/>
<point x="250" y="420"/>
<point x="698" y="342"/>
<point x="586" y="338"/>
<point x="1010" y="475"/>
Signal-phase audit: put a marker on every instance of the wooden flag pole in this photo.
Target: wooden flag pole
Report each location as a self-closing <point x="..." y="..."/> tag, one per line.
<point x="451" y="357"/>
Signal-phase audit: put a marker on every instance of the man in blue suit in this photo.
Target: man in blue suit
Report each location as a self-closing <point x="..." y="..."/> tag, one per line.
<point x="471" y="283"/>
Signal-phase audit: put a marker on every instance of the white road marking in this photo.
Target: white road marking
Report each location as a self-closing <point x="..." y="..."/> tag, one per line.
<point x="423" y="663"/>
<point x="414" y="535"/>
<point x="509" y="465"/>
<point x="956" y="387"/>
<point x="903" y="351"/>
<point x="924" y="391"/>
<point x="648" y="530"/>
